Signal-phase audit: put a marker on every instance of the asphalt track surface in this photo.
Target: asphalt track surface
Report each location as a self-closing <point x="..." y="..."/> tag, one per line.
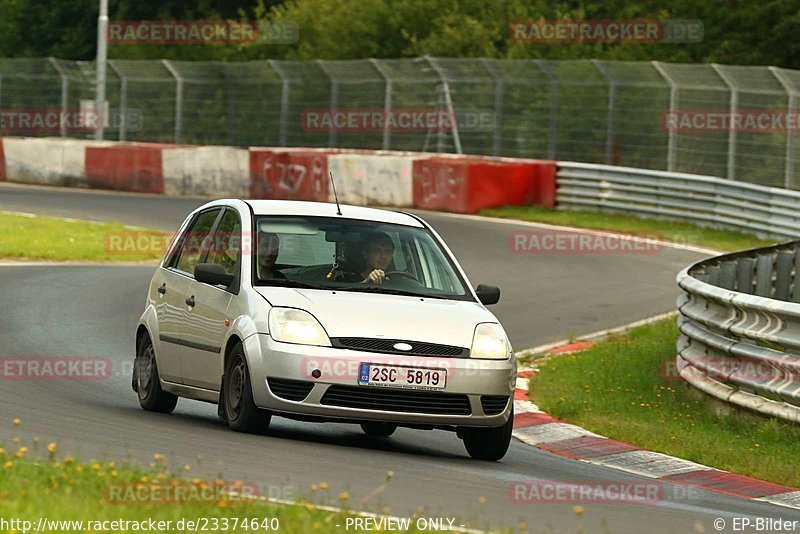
<point x="92" y="311"/>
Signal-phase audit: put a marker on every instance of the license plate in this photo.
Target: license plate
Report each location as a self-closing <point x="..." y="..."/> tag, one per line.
<point x="397" y="376"/>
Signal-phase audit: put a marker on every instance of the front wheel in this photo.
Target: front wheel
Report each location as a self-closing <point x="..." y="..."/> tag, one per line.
<point x="381" y="430"/>
<point x="239" y="408"/>
<point x="148" y="386"/>
<point x="489" y="444"/>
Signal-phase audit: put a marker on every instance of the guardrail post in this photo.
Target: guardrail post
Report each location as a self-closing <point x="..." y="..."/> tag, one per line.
<point x="387" y="101"/>
<point x="764" y="266"/>
<point x="713" y="275"/>
<point x="332" y="135"/>
<point x="734" y="105"/>
<point x="64" y="95"/>
<point x="783" y="274"/>
<point x="284" y="101"/>
<point x="178" y="100"/>
<point x="727" y="275"/>
<point x="672" y="143"/>
<point x="788" y="179"/>
<point x="123" y="100"/>
<point x="796" y="282"/>
<point x="744" y="275"/>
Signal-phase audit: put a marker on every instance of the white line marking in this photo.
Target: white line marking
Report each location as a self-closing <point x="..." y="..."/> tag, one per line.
<point x="596" y="335"/>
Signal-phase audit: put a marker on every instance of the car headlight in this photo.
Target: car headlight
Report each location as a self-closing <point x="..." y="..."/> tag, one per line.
<point x="291" y="325"/>
<point x="489" y="342"/>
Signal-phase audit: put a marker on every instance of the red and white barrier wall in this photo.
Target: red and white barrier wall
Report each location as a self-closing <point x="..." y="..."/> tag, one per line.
<point x="463" y="184"/>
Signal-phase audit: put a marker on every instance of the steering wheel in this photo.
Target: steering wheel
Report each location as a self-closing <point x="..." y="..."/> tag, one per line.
<point x="402" y="274"/>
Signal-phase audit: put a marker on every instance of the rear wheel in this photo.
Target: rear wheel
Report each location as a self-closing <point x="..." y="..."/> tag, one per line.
<point x="151" y="397"/>
<point x="489" y="444"/>
<point x="240" y="410"/>
<point x="382" y="430"/>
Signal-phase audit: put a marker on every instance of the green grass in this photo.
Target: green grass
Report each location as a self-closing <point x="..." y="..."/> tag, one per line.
<point x="677" y="232"/>
<point x="51" y="238"/>
<point x="63" y="489"/>
<point x="618" y="389"/>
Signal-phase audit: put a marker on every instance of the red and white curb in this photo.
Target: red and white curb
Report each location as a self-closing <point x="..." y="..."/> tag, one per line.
<point x="534" y="427"/>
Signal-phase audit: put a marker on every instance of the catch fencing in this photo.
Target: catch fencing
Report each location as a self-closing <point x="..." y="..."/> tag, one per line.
<point x="592" y="111"/>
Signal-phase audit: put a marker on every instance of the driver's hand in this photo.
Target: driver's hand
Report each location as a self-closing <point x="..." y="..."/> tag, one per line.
<point x="377" y="276"/>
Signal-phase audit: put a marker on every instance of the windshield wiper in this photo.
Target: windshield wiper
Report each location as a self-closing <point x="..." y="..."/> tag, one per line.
<point x="279" y="282"/>
<point x="386" y="291"/>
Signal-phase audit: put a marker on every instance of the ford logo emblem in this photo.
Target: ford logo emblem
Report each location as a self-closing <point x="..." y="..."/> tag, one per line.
<point x="402" y="346"/>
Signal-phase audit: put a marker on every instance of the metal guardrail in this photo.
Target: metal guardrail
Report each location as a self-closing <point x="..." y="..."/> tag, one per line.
<point x="703" y="200"/>
<point x="740" y="329"/>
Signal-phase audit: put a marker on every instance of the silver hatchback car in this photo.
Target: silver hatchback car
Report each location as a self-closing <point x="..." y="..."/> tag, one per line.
<point x="318" y="312"/>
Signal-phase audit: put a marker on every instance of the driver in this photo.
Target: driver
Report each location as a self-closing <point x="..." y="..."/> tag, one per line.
<point x="268" y="247"/>
<point x="377" y="252"/>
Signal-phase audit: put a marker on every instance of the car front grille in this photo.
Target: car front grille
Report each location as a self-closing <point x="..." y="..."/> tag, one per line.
<point x="494" y="404"/>
<point x="393" y="400"/>
<point x="418" y="348"/>
<point x="293" y="390"/>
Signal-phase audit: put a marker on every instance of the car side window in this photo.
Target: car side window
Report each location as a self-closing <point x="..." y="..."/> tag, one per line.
<point x="194" y="241"/>
<point x="226" y="242"/>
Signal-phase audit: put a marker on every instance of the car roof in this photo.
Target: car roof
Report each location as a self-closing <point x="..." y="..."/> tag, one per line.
<point x="327" y="209"/>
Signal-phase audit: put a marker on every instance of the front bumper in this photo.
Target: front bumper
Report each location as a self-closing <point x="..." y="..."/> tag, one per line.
<point x="468" y="378"/>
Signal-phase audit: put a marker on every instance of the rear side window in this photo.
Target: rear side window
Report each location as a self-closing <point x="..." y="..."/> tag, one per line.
<point x="195" y="242"/>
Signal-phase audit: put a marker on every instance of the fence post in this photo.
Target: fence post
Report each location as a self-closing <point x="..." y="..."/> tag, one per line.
<point x="123" y="100"/>
<point x="178" y="100"/>
<point x="332" y="135"/>
<point x="284" y="101"/>
<point x="672" y="144"/>
<point x="64" y="95"/>
<point x="612" y="96"/>
<point x="448" y="102"/>
<point x="498" y="105"/>
<point x="552" y="125"/>
<point x="731" y="130"/>
<point x="788" y="178"/>
<point x="387" y="101"/>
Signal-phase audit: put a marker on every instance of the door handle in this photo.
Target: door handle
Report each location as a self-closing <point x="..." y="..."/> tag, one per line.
<point x="190" y="301"/>
<point x="163" y="288"/>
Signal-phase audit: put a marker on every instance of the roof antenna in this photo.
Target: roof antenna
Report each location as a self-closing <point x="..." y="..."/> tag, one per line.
<point x="338" y="209"/>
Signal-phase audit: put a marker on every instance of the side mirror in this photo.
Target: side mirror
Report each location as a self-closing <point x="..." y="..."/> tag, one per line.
<point x="211" y="273"/>
<point x="488" y="295"/>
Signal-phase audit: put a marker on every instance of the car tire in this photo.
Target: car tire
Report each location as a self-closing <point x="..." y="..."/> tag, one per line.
<point x="240" y="410"/>
<point x="148" y="386"/>
<point x="489" y="444"/>
<point x="380" y="430"/>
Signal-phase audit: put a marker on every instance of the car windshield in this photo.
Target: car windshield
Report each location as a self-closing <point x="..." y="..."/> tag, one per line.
<point x="353" y="255"/>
